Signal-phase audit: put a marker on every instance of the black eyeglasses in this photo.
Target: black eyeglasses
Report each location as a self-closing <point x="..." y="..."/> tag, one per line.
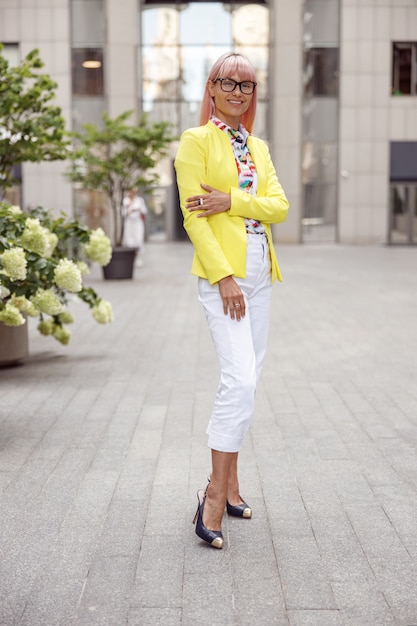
<point x="228" y="84"/>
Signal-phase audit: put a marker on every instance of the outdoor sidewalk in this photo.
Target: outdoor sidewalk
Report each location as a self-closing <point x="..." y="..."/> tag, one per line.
<point x="103" y="448"/>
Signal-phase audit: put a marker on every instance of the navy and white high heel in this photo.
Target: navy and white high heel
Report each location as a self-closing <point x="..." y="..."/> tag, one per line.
<point x="236" y="510"/>
<point x="213" y="537"/>
<point x="239" y="510"/>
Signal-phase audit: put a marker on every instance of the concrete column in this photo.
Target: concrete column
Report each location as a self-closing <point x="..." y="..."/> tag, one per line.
<point x="122" y="56"/>
<point x="286" y="108"/>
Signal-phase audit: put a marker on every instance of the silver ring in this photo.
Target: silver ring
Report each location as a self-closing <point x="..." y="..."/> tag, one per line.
<point x="200" y="202"/>
<point x="237" y="305"/>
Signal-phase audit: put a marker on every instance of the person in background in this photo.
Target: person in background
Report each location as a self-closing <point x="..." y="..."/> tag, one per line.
<point x="230" y="195"/>
<point x="134" y="212"/>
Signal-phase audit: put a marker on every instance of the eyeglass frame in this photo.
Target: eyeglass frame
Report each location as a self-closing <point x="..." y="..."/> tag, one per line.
<point x="237" y="84"/>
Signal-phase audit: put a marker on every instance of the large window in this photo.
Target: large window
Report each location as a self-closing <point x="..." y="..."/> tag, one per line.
<point x="404" y="68"/>
<point x="403" y="193"/>
<point x="87" y="72"/>
<point x="321" y="71"/>
<point x="320" y="119"/>
<point x="180" y="42"/>
<point x="88" y="36"/>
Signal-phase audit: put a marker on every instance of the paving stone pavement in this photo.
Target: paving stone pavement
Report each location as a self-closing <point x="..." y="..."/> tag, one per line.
<point x="103" y="447"/>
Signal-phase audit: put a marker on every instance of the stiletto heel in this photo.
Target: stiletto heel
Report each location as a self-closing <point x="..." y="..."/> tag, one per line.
<point x="239" y="510"/>
<point x="213" y="537"/>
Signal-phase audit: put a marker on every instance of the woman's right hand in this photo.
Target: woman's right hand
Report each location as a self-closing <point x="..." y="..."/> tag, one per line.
<point x="232" y="297"/>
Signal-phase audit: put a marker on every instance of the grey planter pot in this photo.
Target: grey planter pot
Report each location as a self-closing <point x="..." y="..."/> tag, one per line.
<point x="121" y="264"/>
<point x="14" y="344"/>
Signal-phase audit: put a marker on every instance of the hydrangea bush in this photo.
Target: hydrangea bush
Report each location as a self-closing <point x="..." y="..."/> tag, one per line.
<point x="42" y="261"/>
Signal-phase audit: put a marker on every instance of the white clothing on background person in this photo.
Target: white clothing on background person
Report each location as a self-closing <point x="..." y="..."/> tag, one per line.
<point x="134" y="211"/>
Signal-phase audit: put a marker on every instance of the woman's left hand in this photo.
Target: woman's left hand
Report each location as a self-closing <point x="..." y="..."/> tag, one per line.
<point x="214" y="201"/>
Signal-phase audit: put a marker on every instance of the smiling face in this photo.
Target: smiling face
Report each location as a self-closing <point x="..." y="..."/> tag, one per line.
<point x="229" y="106"/>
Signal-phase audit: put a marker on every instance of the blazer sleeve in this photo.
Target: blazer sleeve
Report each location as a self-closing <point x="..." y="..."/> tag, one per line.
<point x="270" y="205"/>
<point x="191" y="170"/>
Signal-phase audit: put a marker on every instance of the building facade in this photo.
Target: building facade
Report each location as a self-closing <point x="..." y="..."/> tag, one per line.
<point x="337" y="98"/>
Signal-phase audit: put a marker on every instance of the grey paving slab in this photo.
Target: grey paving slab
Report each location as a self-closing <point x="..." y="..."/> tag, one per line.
<point x="103" y="447"/>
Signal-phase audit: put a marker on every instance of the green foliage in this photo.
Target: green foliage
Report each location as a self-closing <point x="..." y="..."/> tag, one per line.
<point x="39" y="243"/>
<point x="31" y="128"/>
<point x="118" y="157"/>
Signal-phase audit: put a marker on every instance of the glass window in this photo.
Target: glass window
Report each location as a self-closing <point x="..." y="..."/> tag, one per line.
<point x="250" y="26"/>
<point x="206" y="24"/>
<point x="195" y="61"/>
<point x="321" y="22"/>
<point x="404" y="68"/>
<point x="403" y="216"/>
<point x="160" y="27"/>
<point x="87" y="72"/>
<point x="180" y="43"/>
<point x="161" y="78"/>
<point x="320" y="119"/>
<point x="10" y="51"/>
<point x="87" y="22"/>
<point x="87" y="111"/>
<point x="321" y="72"/>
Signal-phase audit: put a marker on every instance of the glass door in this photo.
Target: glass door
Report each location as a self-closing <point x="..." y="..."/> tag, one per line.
<point x="403" y="214"/>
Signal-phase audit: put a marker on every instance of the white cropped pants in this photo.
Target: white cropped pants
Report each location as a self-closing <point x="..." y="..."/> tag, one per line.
<point x="240" y="347"/>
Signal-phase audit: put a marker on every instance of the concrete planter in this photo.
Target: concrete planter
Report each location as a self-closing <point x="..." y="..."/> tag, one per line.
<point x="14" y="344"/>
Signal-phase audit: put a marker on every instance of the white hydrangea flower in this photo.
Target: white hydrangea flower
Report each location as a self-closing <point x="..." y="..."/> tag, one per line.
<point x="15" y="209"/>
<point x="47" y="302"/>
<point x="68" y="276"/>
<point x="14" y="263"/>
<point x="11" y="316"/>
<point x="24" y="305"/>
<point x="83" y="267"/>
<point x="99" y="247"/>
<point x="103" y="312"/>
<point x="61" y="334"/>
<point x="46" y="327"/>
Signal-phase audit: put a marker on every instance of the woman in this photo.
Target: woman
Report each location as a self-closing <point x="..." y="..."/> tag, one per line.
<point x="134" y="211"/>
<point x="229" y="195"/>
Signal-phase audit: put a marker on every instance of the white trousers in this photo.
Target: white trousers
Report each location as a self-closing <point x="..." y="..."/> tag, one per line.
<point x="240" y="347"/>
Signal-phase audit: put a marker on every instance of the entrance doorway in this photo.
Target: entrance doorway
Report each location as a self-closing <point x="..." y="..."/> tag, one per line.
<point x="403" y="213"/>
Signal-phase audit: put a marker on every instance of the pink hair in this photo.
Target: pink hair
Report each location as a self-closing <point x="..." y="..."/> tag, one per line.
<point x="226" y="66"/>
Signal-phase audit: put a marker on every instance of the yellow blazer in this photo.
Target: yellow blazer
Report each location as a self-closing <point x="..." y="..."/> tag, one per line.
<point x="205" y="155"/>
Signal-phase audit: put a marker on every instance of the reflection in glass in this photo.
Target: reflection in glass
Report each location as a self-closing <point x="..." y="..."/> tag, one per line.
<point x="87" y="22"/>
<point x="196" y="62"/>
<point x="321" y="22"/>
<point x="403" y="211"/>
<point x="156" y="203"/>
<point x="319" y="162"/>
<point x="251" y="26"/>
<point x="10" y="52"/>
<point x="87" y="111"/>
<point x="161" y="79"/>
<point x="91" y="207"/>
<point x="205" y="23"/>
<point x="320" y="119"/>
<point x="321" y="72"/>
<point x="404" y="68"/>
<point x="160" y="27"/>
<point x="87" y="72"/>
<point x="163" y="110"/>
<point x="177" y="54"/>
